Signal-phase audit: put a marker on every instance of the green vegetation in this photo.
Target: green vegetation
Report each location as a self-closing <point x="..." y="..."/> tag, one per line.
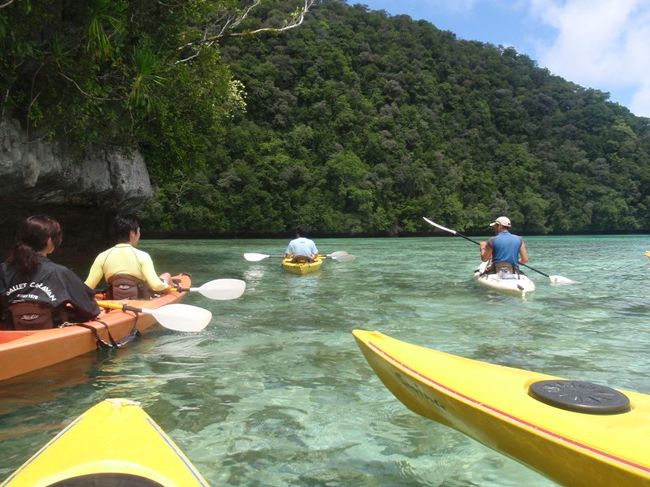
<point x="353" y="122"/>
<point x="112" y="73"/>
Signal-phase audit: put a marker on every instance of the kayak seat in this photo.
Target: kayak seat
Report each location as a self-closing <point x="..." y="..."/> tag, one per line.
<point x="507" y="275"/>
<point x="505" y="270"/>
<point x="301" y="258"/>
<point x="505" y="267"/>
<point x="124" y="286"/>
<point x="30" y="315"/>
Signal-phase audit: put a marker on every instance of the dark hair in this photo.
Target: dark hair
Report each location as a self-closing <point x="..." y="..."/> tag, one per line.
<point x="123" y="225"/>
<point x="32" y="237"/>
<point x="300" y="231"/>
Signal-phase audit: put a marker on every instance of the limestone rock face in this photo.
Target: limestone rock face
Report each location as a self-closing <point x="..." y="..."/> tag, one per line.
<point x="38" y="171"/>
<point x="38" y="176"/>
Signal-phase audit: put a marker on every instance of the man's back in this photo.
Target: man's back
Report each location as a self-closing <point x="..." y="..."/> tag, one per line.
<point x="505" y="247"/>
<point x="301" y="246"/>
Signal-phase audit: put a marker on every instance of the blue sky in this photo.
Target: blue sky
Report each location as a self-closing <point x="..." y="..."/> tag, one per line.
<point x="601" y="44"/>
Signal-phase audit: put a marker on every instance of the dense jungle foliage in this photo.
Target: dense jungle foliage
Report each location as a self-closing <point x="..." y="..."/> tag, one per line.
<point x="354" y="122"/>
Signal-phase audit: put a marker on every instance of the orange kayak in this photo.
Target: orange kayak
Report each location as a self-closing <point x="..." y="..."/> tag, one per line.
<point x="23" y="351"/>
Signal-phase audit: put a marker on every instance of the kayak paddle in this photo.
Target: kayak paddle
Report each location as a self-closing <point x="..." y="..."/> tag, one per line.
<point x="221" y="289"/>
<point x="179" y="317"/>
<point x="553" y="279"/>
<point x="340" y="255"/>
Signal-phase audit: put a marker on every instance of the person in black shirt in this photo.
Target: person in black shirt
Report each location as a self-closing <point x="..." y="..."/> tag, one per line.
<point x="35" y="292"/>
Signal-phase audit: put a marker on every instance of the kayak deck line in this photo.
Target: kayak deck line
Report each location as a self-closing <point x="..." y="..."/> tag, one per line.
<point x="179" y="454"/>
<point x="604" y="454"/>
<point x="41" y="451"/>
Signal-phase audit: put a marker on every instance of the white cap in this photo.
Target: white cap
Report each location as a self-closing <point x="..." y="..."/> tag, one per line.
<point x="504" y="221"/>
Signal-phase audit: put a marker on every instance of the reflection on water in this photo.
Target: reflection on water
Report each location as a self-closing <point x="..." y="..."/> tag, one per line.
<point x="302" y="287"/>
<point x="20" y="393"/>
<point x="275" y="391"/>
<point x="254" y="275"/>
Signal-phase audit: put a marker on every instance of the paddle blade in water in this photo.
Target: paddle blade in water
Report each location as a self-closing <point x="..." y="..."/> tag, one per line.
<point x="561" y="280"/>
<point x="223" y="289"/>
<point x="336" y="254"/>
<point x="255" y="257"/>
<point x="345" y="257"/>
<point x="181" y="317"/>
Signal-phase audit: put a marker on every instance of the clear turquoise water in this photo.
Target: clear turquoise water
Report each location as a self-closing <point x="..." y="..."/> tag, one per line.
<point x="275" y="391"/>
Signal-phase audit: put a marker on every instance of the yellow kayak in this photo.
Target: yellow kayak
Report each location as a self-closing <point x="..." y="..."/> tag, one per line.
<point x="576" y="433"/>
<point x="113" y="443"/>
<point x="302" y="268"/>
<point x="647" y="253"/>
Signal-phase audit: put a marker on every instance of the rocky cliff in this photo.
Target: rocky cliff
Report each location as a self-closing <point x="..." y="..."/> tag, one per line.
<point x="38" y="176"/>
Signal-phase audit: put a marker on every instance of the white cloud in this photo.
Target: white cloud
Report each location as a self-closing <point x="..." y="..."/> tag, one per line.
<point x="599" y="43"/>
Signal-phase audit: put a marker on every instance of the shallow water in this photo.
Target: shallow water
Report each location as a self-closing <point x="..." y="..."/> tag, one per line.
<point x="275" y="391"/>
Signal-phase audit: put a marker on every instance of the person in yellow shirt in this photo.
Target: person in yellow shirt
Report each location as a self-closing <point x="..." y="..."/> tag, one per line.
<point x="128" y="271"/>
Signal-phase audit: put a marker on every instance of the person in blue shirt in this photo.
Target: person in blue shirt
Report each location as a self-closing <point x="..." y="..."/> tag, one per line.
<point x="505" y="250"/>
<point x="301" y="249"/>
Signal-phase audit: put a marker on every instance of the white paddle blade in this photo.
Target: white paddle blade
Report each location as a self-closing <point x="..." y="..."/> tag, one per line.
<point x="345" y="257"/>
<point x="181" y="317"/>
<point x="222" y="289"/>
<point x="255" y="257"/>
<point x="559" y="280"/>
<point x="336" y="254"/>
<point x="453" y="232"/>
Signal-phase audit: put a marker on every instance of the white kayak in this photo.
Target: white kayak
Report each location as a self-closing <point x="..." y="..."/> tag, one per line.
<point x="516" y="283"/>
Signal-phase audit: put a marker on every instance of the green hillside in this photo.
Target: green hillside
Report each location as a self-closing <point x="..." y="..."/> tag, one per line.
<point x="355" y="122"/>
<point x="362" y="122"/>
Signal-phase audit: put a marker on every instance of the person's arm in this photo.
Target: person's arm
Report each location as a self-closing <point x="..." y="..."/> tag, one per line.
<point x="150" y="275"/>
<point x="523" y="253"/>
<point x="486" y="251"/>
<point x="289" y="251"/>
<point x="96" y="273"/>
<point x="82" y="297"/>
